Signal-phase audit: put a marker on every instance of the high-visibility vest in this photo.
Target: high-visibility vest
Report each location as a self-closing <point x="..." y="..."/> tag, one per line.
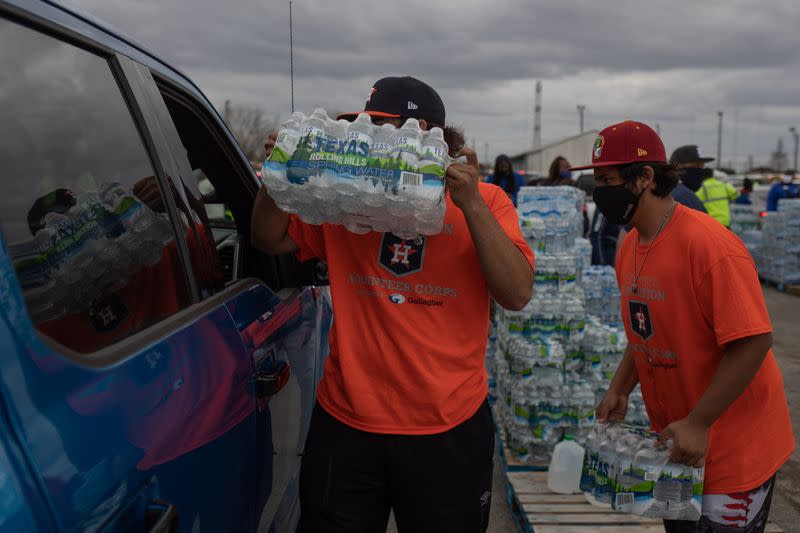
<point x="716" y="197"/>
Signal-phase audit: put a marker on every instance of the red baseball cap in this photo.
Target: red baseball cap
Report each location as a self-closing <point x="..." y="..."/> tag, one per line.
<point x="625" y="143"/>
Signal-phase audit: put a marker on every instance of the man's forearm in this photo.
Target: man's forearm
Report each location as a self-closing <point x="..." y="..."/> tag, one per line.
<point x="736" y="370"/>
<point x="626" y="377"/>
<point x="269" y="225"/>
<point x="507" y="272"/>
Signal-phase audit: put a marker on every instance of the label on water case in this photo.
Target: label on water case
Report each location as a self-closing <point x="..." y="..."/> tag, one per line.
<point x="624" y="498"/>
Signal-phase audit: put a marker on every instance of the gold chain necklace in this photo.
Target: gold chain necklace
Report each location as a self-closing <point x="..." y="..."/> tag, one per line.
<point x="635" y="286"/>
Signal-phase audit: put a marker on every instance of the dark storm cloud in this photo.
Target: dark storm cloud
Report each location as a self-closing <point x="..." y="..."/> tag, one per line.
<point x="667" y="60"/>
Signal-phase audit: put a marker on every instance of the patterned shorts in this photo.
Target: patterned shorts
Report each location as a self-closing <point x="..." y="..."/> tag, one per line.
<point x="739" y="512"/>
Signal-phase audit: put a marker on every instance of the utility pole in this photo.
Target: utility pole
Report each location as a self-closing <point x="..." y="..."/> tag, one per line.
<point x="581" y="109"/>
<point x="796" y="136"/>
<point x="537" y="116"/>
<point x="486" y="152"/>
<point x="291" y="54"/>
<point x="719" y="140"/>
<point x="658" y="129"/>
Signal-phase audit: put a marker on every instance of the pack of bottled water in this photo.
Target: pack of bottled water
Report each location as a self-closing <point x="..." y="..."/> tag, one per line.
<point x="743" y="218"/>
<point x="362" y="176"/>
<point x="601" y="293"/>
<point x="627" y="468"/>
<point x="93" y="247"/>
<point x="561" y="210"/>
<point x="752" y="240"/>
<point x="778" y="256"/>
<point x="533" y="230"/>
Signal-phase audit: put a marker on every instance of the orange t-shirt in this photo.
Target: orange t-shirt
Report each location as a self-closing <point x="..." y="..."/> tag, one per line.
<point x="698" y="291"/>
<point x="408" y="341"/>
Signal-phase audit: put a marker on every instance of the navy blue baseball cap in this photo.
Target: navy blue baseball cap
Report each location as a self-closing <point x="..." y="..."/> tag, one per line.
<point x="407" y="97"/>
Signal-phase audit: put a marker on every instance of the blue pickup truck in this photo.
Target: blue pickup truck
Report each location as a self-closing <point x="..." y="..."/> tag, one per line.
<point x="157" y="373"/>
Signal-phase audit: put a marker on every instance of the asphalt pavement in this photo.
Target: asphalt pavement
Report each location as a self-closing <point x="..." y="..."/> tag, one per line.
<point x="784" y="309"/>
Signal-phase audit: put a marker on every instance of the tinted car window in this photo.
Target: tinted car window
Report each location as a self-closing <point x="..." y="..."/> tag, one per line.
<point x="82" y="215"/>
<point x="210" y="168"/>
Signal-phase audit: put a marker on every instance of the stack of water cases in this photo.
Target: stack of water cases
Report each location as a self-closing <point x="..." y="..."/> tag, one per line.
<point x="94" y="247"/>
<point x="745" y="223"/>
<point x="554" y="359"/>
<point x="778" y="256"/>
<point x="627" y="468"/>
<point x="365" y="177"/>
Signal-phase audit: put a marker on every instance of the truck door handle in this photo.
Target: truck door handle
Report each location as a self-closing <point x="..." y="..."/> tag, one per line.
<point x="270" y="381"/>
<point x="161" y="517"/>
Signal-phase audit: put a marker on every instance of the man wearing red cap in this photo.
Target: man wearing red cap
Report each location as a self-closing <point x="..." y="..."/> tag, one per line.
<point x="699" y="334"/>
<point x="402" y="422"/>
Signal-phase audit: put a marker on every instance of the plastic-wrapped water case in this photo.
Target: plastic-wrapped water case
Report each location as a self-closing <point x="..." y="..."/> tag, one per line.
<point x="362" y="176"/>
<point x="627" y="467"/>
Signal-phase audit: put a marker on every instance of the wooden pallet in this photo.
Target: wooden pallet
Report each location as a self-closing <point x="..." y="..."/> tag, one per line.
<point x="542" y="511"/>
<point x="537" y="510"/>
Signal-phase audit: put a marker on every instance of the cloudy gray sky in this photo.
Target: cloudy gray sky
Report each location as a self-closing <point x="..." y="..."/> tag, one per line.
<point x="672" y="63"/>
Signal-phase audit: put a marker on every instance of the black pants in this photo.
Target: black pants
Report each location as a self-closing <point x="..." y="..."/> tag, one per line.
<point x="350" y="480"/>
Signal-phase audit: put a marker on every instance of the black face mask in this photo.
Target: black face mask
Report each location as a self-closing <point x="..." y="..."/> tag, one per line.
<point x="694" y="177"/>
<point x="617" y="203"/>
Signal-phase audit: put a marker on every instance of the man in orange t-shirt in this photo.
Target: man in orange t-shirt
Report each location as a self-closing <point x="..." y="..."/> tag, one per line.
<point x="699" y="335"/>
<point x="402" y="422"/>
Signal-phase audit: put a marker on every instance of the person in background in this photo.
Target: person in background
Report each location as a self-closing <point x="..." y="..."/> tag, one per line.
<point x="744" y="194"/>
<point x="559" y="173"/>
<point x="604" y="237"/>
<point x="699" y="335"/>
<point x="690" y="165"/>
<point x="505" y="177"/>
<point x="715" y="195"/>
<point x="785" y="188"/>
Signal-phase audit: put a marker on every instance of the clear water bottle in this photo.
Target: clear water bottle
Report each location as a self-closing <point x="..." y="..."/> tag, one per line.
<point x="315" y="125"/>
<point x="673" y="491"/>
<point x="407" y="143"/>
<point x="627" y="447"/>
<point x="606" y="460"/>
<point x="360" y="132"/>
<point x="289" y="135"/>
<point x="648" y="462"/>
<point x="383" y="141"/>
<point x="590" y="462"/>
<point x="338" y="129"/>
<point x="434" y="152"/>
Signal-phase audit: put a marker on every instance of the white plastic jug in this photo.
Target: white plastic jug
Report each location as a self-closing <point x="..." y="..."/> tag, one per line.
<point x="564" y="474"/>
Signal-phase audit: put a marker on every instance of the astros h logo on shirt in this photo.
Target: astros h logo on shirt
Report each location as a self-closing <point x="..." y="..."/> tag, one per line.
<point x="401" y="256"/>
<point x="640" y="319"/>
